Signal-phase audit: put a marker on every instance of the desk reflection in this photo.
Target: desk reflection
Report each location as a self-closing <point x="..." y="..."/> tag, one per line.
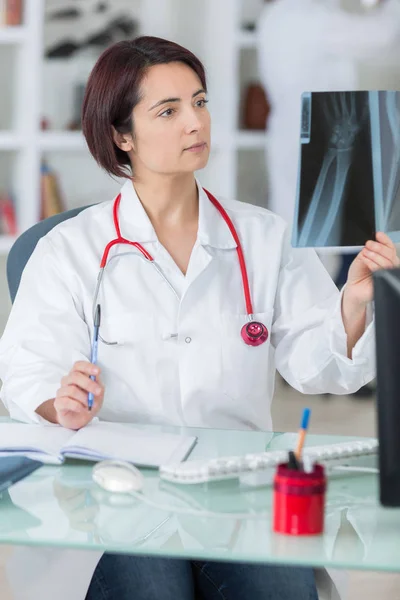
<point x="65" y="504"/>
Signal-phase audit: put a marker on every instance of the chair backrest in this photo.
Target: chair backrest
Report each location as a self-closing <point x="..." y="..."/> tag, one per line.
<point x="26" y="243"/>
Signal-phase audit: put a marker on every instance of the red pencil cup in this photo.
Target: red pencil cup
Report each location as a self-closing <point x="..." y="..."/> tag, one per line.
<point x="299" y="500"/>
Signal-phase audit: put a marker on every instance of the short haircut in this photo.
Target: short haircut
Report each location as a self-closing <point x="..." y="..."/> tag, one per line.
<point x="113" y="90"/>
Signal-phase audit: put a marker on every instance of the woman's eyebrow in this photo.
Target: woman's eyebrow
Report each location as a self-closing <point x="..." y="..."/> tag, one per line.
<point x="166" y="100"/>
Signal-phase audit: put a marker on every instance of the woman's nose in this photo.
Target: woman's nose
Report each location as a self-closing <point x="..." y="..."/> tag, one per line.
<point x="194" y="122"/>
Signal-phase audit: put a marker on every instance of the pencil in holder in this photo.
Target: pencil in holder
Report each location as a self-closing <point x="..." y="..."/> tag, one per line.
<point x="299" y="500"/>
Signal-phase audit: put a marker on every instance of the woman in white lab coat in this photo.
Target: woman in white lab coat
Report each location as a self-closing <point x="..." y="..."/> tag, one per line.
<point x="182" y="356"/>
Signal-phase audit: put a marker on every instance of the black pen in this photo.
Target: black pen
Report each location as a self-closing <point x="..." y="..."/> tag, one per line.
<point x="293" y="463"/>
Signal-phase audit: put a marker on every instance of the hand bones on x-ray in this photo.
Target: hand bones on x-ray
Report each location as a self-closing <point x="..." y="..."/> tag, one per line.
<point x="391" y="209"/>
<point x="344" y="124"/>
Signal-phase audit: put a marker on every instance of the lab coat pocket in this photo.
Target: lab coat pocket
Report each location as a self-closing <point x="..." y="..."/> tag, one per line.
<point x="130" y="329"/>
<point x="130" y="365"/>
<point x="245" y="369"/>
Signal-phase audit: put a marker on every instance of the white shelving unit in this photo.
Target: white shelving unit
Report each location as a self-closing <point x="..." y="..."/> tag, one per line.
<point x="23" y="144"/>
<point x="233" y="148"/>
<point x="6" y="241"/>
<point x="239" y="154"/>
<point x="21" y="138"/>
<point x="59" y="141"/>
<point x="13" y="35"/>
<point x="246" y="39"/>
<point x="11" y="141"/>
<point x="251" y="140"/>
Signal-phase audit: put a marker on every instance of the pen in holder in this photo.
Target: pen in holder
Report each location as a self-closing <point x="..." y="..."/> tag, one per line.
<point x="299" y="491"/>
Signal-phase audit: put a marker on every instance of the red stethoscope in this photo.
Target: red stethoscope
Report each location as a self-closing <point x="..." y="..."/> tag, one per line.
<point x="253" y="333"/>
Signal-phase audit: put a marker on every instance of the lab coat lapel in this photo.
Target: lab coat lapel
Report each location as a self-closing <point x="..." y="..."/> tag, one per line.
<point x="212" y="231"/>
<point x="199" y="261"/>
<point x="213" y="235"/>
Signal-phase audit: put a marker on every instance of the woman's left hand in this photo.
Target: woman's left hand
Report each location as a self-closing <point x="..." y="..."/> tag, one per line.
<point x="374" y="256"/>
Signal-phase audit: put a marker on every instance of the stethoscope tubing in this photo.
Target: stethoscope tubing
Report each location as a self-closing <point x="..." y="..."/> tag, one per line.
<point x="252" y="336"/>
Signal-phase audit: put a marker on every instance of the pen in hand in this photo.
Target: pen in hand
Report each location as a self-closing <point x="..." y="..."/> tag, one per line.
<point x="93" y="358"/>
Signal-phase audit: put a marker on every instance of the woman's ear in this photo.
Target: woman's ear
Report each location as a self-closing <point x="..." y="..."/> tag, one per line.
<point x="124" y="141"/>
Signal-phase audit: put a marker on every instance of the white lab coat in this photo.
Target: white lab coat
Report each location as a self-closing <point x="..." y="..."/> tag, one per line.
<point x="312" y="45"/>
<point x="180" y="361"/>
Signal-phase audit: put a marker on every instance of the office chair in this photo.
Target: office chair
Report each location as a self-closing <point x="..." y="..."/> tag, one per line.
<point x="26" y="243"/>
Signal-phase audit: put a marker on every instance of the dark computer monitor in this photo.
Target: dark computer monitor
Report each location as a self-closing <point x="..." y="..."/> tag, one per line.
<point x="387" y="314"/>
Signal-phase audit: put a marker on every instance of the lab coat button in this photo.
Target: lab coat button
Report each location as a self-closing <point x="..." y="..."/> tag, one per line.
<point x="188" y="340"/>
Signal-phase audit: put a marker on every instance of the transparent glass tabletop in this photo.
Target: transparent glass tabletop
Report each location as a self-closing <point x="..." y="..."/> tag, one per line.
<point x="63" y="507"/>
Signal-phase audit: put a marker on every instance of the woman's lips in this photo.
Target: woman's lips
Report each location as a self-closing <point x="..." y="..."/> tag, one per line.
<point x="197" y="147"/>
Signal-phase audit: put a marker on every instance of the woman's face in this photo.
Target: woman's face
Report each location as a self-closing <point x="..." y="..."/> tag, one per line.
<point x="171" y="117"/>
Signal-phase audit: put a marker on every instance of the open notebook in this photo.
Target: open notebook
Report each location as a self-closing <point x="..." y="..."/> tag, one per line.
<point x="97" y="441"/>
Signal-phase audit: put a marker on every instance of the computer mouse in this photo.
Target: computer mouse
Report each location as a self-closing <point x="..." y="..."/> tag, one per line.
<point x="118" y="476"/>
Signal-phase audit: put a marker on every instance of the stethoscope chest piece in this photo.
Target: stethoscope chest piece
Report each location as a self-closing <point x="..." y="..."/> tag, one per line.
<point x="254" y="333"/>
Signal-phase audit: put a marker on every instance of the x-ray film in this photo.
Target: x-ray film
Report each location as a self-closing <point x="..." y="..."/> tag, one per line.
<point x="349" y="168"/>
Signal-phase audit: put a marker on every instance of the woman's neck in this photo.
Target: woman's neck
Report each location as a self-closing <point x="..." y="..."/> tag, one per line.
<point x="169" y="200"/>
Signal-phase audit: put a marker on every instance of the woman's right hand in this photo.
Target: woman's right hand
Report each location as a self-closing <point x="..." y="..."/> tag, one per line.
<point x="71" y="401"/>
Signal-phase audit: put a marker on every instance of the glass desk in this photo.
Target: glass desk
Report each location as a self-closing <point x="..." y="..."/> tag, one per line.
<point x="61" y="507"/>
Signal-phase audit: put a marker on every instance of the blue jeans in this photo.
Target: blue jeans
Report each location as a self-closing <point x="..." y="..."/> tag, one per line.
<point x="123" y="577"/>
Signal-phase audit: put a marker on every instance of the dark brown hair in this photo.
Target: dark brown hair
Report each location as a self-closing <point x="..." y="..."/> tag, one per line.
<point x="113" y="90"/>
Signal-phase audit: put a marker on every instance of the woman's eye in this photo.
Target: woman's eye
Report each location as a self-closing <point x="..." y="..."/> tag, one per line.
<point x="167" y="113"/>
<point x="170" y="111"/>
